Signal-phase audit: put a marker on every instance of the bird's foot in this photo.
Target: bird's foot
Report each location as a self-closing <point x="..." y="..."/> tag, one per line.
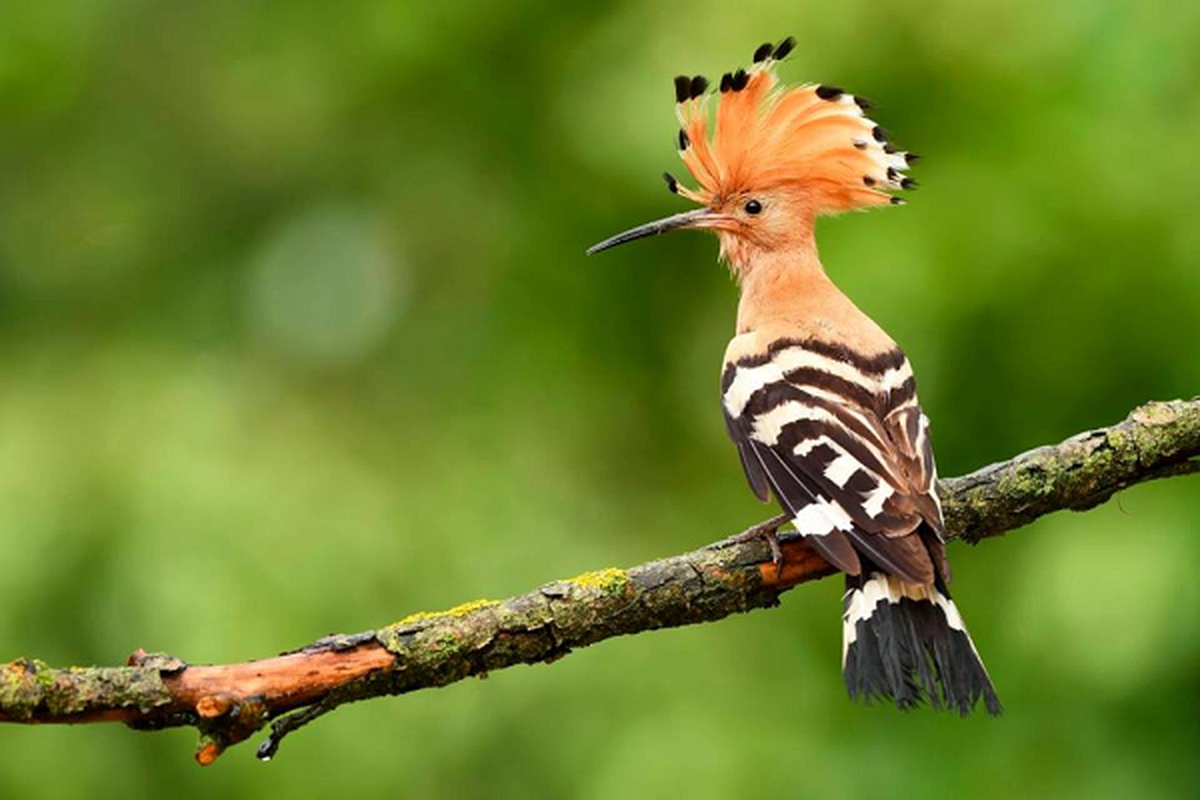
<point x="769" y="530"/>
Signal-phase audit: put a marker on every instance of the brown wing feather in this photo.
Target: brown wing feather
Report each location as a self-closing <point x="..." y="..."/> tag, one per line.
<point x="908" y="429"/>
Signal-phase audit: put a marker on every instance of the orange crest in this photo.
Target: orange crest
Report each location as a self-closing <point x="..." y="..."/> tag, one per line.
<point x="766" y="135"/>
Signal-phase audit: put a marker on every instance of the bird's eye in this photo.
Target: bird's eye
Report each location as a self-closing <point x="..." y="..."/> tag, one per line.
<point x="753" y="206"/>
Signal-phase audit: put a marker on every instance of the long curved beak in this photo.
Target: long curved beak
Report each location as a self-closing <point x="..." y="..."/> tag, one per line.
<point x="697" y="218"/>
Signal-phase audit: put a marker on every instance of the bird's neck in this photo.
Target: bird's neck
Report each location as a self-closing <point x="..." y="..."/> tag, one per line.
<point x="786" y="294"/>
<point x="779" y="284"/>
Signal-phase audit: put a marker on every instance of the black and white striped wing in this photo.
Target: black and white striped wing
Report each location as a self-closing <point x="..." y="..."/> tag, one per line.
<point x="841" y="442"/>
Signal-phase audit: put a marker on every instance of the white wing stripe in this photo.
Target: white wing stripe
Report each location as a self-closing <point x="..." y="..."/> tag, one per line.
<point x="894" y="378"/>
<point x="768" y="426"/>
<point x="840" y="469"/>
<point x="873" y="504"/>
<point x="821" y="518"/>
<point x="748" y="380"/>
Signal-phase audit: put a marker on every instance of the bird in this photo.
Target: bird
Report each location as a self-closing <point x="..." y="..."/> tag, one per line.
<point x="819" y="401"/>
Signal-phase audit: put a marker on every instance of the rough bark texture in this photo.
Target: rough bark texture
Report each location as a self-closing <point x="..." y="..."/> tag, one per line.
<point x="228" y="703"/>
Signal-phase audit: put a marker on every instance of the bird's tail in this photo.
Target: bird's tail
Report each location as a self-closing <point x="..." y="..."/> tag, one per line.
<point x="906" y="642"/>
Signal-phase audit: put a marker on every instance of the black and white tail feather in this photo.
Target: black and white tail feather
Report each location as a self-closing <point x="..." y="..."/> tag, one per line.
<point x="907" y="642"/>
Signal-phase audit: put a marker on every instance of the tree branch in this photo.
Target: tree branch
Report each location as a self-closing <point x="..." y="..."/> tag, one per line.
<point x="229" y="702"/>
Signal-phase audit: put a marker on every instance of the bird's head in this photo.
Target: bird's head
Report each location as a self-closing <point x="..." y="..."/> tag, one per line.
<point x="778" y="157"/>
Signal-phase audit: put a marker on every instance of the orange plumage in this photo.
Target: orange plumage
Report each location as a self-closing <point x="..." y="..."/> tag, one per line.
<point x="768" y="135"/>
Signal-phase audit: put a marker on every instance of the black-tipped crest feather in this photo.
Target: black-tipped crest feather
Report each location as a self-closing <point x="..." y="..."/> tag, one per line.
<point x="683" y="88"/>
<point x="766" y="136"/>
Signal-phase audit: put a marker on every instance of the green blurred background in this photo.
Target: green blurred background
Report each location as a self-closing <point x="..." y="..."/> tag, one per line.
<point x="298" y="336"/>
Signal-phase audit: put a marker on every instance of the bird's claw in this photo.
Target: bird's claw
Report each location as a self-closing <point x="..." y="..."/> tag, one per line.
<point x="766" y="530"/>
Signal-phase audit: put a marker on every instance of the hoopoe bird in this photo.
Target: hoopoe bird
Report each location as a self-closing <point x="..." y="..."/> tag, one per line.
<point x="819" y="401"/>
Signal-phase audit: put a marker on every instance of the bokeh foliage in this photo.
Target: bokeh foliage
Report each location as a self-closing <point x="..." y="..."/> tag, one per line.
<point x="298" y="336"/>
